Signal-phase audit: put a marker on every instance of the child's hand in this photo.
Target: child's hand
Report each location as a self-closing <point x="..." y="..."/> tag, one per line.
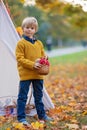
<point x="37" y="60"/>
<point x="46" y="57"/>
<point x="37" y="64"/>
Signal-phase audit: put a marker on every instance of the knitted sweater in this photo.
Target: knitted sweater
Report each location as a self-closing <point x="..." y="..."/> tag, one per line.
<point x="26" y="54"/>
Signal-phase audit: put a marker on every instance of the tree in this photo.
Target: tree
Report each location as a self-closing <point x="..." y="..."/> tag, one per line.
<point x="54" y="18"/>
<point x="17" y="11"/>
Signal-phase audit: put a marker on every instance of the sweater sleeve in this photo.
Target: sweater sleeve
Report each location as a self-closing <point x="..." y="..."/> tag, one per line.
<point x="26" y="63"/>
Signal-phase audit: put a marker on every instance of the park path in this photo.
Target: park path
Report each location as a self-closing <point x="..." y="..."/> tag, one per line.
<point x="64" y="51"/>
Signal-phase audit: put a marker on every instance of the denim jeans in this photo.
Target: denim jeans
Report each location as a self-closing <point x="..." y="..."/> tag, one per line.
<point x="22" y="98"/>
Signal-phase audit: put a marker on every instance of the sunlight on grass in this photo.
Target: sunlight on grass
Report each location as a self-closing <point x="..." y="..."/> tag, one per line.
<point x="79" y="57"/>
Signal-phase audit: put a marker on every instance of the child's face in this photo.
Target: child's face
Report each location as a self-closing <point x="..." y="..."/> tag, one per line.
<point x="29" y="30"/>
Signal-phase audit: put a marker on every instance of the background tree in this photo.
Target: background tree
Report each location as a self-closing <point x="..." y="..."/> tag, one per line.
<point x="17" y="11"/>
<point x="63" y="22"/>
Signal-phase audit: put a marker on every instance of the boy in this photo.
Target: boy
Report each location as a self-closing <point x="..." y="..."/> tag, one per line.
<point x="28" y="52"/>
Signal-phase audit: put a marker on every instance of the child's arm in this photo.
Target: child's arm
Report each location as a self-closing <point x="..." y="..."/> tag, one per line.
<point x="37" y="65"/>
<point x="21" y="59"/>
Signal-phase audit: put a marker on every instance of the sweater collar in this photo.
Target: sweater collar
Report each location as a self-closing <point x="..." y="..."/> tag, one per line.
<point x="32" y="40"/>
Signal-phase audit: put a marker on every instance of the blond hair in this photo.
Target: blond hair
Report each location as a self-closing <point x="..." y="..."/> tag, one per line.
<point x="31" y="21"/>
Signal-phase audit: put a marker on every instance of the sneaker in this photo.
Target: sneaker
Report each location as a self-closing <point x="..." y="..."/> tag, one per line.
<point x="47" y="118"/>
<point x="42" y="121"/>
<point x="24" y="122"/>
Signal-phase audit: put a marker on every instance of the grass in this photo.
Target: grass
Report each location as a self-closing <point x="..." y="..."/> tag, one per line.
<point x="78" y="57"/>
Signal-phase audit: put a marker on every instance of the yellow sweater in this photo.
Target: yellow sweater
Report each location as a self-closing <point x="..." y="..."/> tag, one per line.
<point x="26" y="54"/>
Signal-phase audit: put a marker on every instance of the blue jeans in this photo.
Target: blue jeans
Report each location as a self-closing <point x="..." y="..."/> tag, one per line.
<point x="22" y="98"/>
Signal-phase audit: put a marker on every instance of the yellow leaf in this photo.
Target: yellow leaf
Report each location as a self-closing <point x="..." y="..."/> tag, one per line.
<point x="18" y="126"/>
<point x="8" y="129"/>
<point x="84" y="113"/>
<point x="19" y="30"/>
<point x="37" y="125"/>
<point x="53" y="122"/>
<point x="22" y="1"/>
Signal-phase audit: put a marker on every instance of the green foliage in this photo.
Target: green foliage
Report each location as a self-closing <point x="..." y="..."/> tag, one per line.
<point x="74" y="19"/>
<point x="61" y="21"/>
<point x="36" y="12"/>
<point x="17" y="11"/>
<point x="69" y="10"/>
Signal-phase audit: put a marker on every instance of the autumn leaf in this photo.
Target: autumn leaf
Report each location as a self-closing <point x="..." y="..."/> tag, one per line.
<point x="37" y="125"/>
<point x="73" y="126"/>
<point x="22" y="1"/>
